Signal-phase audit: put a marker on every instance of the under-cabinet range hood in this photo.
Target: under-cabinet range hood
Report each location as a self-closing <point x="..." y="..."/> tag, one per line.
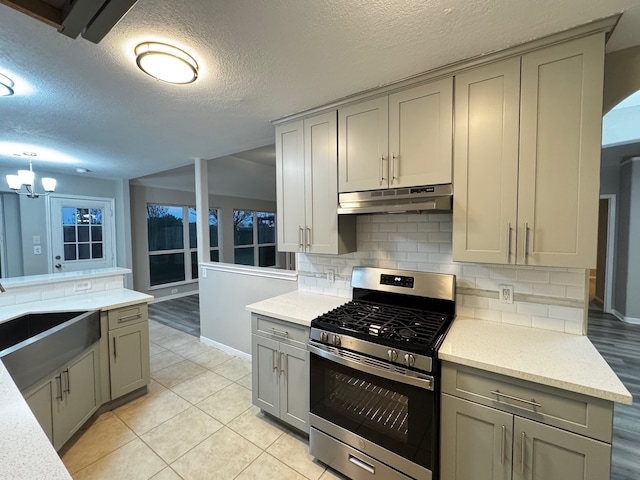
<point x="431" y="198"/>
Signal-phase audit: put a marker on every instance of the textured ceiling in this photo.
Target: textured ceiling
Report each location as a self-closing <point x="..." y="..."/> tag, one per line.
<point x="260" y="60"/>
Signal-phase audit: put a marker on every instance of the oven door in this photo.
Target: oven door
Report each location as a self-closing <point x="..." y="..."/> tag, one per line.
<point x="377" y="404"/>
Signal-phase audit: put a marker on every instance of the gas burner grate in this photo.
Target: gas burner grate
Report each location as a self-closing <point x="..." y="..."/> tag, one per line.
<point x="390" y="324"/>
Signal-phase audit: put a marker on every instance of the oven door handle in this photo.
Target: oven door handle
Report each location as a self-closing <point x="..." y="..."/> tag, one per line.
<point x="426" y="382"/>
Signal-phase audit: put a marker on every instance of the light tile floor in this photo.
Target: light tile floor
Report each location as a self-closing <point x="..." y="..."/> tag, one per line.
<point x="196" y="422"/>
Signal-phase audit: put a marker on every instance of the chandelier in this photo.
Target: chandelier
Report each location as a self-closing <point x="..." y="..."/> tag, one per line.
<point x="26" y="179"/>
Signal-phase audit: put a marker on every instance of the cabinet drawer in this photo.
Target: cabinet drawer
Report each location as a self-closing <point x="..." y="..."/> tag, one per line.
<point x="282" y="331"/>
<point x="570" y="411"/>
<point x="120" y="317"/>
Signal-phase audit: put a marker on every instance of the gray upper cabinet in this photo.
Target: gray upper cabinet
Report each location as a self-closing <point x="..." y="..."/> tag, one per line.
<point x="306" y="186"/>
<point x="527" y="153"/>
<point x="400" y="140"/>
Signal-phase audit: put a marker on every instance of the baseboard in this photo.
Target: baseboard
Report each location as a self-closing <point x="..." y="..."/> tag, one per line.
<point x="619" y="316"/>
<point x="226" y="348"/>
<point x="598" y="302"/>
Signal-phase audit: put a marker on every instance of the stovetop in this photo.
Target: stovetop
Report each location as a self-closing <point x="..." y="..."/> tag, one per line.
<point x="398" y="327"/>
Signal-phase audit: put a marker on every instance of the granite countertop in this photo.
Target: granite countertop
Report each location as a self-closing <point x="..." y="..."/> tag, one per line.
<point x="561" y="360"/>
<point x="297" y="307"/>
<point x="89" y="301"/>
<point x="25" y="451"/>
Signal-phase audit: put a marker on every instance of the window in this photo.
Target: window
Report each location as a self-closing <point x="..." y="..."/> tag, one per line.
<point x="172" y="243"/>
<point x="254" y="238"/>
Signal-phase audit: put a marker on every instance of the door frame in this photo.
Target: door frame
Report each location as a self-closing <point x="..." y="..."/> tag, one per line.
<point x="111" y="201"/>
<point x="611" y="238"/>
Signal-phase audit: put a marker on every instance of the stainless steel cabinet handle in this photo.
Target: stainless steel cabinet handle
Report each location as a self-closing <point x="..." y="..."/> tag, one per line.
<point x="526" y="242"/>
<point x="308" y="235"/>
<point x="524" y="437"/>
<point x="300" y="234"/>
<point x="504" y="429"/>
<point x="508" y="242"/>
<point x="68" y="382"/>
<point x="128" y="318"/>
<point x="59" y="387"/>
<point x="280" y="333"/>
<point x="363" y="465"/>
<point x="382" y="178"/>
<point x="281" y="363"/>
<point x="395" y="160"/>
<point x="273" y="360"/>
<point x="115" y="354"/>
<point x="517" y="399"/>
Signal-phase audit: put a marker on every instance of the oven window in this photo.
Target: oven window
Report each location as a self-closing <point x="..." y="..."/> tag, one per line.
<point x="394" y="415"/>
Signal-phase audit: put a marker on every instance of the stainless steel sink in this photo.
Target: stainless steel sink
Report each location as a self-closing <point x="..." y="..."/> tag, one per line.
<point x="37" y="344"/>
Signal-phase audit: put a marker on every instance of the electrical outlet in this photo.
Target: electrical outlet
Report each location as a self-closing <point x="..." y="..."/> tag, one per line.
<point x="331" y="275"/>
<point x="506" y="293"/>
<point x="81" y="286"/>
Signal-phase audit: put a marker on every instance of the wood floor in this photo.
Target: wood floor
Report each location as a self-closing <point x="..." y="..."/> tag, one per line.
<point x="180" y="313"/>
<point x="617" y="342"/>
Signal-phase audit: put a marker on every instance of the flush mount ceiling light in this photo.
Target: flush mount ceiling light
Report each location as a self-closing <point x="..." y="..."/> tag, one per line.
<point x="6" y="86"/>
<point x="166" y="63"/>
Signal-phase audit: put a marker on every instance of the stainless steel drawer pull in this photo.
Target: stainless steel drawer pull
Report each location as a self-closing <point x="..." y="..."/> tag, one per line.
<point x="128" y="318"/>
<point x="363" y="465"/>
<point x="279" y="333"/>
<point x="511" y="397"/>
<point x="273" y="360"/>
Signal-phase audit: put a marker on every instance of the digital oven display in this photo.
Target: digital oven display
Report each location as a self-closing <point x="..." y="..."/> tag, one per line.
<point x="396" y="280"/>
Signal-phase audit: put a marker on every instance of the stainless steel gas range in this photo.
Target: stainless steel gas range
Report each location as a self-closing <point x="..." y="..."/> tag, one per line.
<point x="375" y="377"/>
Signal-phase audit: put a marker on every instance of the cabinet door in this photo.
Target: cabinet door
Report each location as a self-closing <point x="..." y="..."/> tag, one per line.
<point x="560" y="143"/>
<point x="363" y="146"/>
<point x="553" y="454"/>
<point x="265" y="364"/>
<point x="40" y="401"/>
<point x="486" y="163"/>
<point x="290" y="186"/>
<point x="294" y="387"/>
<point x="476" y="441"/>
<point x="421" y="135"/>
<point x="129" y="358"/>
<point x="321" y="183"/>
<point x="79" y="397"/>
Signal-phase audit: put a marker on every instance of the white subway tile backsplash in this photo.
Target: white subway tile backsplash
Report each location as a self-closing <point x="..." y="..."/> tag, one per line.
<point x="423" y="242"/>
<point x="568" y="278"/>
<point x="534" y="276"/>
<point x="516" y="319"/>
<point x="547" y="323"/>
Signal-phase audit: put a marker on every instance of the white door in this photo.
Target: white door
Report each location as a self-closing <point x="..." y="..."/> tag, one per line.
<point x="82" y="233"/>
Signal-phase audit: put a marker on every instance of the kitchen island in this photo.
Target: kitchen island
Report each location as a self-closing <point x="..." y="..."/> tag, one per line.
<point x="25" y="450"/>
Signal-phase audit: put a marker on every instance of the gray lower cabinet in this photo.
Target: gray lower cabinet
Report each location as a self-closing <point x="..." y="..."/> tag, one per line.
<point x="64" y="401"/>
<point x="128" y="337"/>
<point x="497" y="428"/>
<point x="280" y="365"/>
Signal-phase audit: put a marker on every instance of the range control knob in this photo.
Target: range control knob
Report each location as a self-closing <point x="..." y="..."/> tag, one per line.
<point x="336" y="340"/>
<point x="324" y="337"/>
<point x="392" y="355"/>
<point x="409" y="360"/>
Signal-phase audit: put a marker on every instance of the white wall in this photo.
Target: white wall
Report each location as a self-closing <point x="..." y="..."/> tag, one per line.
<point x="546" y="298"/>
